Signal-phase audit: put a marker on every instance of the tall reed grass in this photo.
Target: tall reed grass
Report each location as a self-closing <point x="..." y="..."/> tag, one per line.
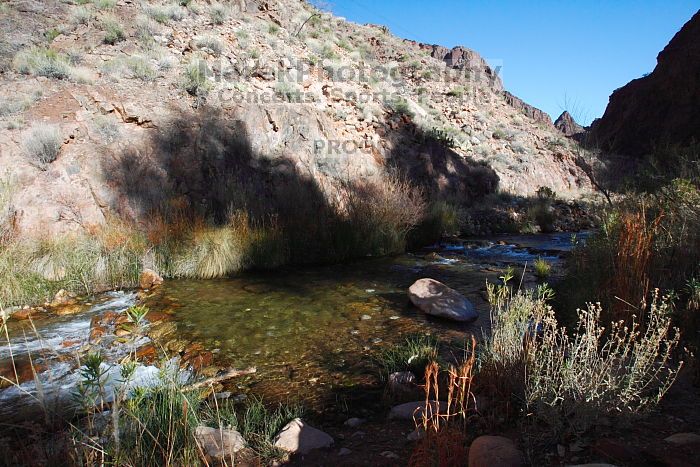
<point x="367" y="218"/>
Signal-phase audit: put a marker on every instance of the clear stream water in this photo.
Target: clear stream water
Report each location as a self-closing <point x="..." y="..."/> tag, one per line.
<point x="311" y="333"/>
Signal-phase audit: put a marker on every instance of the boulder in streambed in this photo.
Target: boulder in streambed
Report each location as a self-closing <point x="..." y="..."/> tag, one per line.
<point x="149" y="279"/>
<point x="298" y="437"/>
<point x="495" y="451"/>
<point x="437" y="299"/>
<point x="219" y="444"/>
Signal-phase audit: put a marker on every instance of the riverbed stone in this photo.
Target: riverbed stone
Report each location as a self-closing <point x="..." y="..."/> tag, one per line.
<point x="219" y="443"/>
<point x="298" y="437"/>
<point x="409" y="410"/>
<point x="683" y="439"/>
<point x="495" y="451"/>
<point x="354" y="422"/>
<point x="436" y="299"/>
<point x="149" y="279"/>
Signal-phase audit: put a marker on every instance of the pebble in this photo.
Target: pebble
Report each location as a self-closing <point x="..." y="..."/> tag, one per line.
<point x="365" y="317"/>
<point x="344" y="452"/>
<point x="354" y="422"/>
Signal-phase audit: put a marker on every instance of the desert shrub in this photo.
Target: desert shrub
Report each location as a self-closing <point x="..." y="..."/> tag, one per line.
<point x="104" y="4"/>
<point x="665" y="164"/>
<point x="211" y="43"/>
<point x="412" y="354"/>
<point x="273" y="29"/>
<point x="114" y="32"/>
<point x="566" y="381"/>
<point x="42" y="62"/>
<point x="288" y="91"/>
<point x="196" y="78"/>
<point x="81" y="15"/>
<point x="400" y="106"/>
<point x="107" y="128"/>
<point x="43" y="142"/>
<point x="219" y="13"/>
<point x="165" y="13"/>
<point x="7" y="212"/>
<point x="456" y="92"/>
<point x="145" y="29"/>
<point x="140" y="68"/>
<point x="499" y="134"/>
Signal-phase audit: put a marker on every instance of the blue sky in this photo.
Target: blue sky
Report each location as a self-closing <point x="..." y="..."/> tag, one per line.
<point x="555" y="54"/>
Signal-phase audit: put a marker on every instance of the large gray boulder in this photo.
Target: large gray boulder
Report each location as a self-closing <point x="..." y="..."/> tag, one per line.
<point x="437" y="299"/>
<point x="298" y="437"/>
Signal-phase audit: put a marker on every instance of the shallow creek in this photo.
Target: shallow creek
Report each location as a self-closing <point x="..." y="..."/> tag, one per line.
<point x="311" y="333"/>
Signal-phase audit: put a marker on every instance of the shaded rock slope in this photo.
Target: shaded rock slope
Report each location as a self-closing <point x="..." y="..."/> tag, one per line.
<point x="660" y="108"/>
<point x="130" y="98"/>
<point x="567" y="125"/>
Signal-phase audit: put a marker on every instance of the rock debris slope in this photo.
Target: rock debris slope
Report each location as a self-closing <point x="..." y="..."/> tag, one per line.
<point x="125" y="93"/>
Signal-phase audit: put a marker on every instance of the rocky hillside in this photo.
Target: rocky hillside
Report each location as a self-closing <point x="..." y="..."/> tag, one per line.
<point x="660" y="108"/>
<point x="107" y="105"/>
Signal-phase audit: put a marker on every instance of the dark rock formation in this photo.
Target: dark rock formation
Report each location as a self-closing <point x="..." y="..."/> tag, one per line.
<point x="532" y="112"/>
<point x="661" y="108"/>
<point x="567" y="125"/>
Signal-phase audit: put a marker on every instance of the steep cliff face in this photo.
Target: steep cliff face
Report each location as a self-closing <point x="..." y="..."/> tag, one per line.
<point x="660" y="108"/>
<point x="140" y="98"/>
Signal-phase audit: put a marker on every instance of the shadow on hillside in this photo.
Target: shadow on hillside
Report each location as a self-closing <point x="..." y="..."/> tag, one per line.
<point x="203" y="165"/>
<point x="428" y="161"/>
<point x="201" y="168"/>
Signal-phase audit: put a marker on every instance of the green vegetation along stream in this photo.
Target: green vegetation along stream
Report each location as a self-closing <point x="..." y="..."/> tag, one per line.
<point x="312" y="333"/>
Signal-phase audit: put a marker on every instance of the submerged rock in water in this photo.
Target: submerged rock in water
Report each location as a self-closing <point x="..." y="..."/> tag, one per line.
<point x="218" y="443"/>
<point x="298" y="437"/>
<point x="437" y="299"/>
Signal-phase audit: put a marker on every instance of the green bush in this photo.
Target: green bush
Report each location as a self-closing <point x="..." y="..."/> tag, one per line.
<point x="542" y="268"/>
<point x="441" y="219"/>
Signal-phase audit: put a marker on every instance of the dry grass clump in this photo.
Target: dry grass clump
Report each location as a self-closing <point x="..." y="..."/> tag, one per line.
<point x="445" y="427"/>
